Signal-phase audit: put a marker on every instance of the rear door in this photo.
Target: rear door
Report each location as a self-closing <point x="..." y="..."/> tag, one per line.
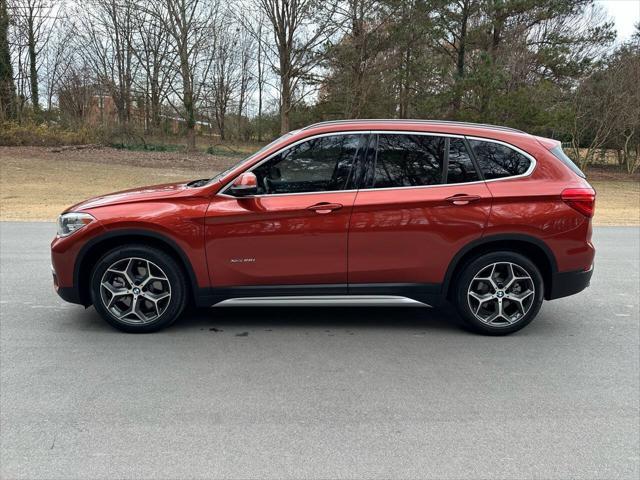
<point x="421" y="201"/>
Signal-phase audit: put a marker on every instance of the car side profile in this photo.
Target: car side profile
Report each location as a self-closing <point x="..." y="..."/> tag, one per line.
<point x="490" y="219"/>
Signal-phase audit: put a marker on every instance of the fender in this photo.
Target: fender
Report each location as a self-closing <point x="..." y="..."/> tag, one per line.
<point x="125" y="232"/>
<point x="455" y="262"/>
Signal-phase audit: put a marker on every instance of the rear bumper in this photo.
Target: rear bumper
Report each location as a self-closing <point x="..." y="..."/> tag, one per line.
<point x="568" y="283"/>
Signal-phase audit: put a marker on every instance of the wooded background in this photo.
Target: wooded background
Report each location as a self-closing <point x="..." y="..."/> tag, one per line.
<point x="213" y="71"/>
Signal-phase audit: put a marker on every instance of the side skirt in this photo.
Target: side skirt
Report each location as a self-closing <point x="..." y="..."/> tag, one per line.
<point x="407" y="294"/>
<point x="324" y="301"/>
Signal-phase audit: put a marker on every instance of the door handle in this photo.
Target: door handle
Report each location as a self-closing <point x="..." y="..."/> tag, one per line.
<point x="462" y="199"/>
<point x="324" y="207"/>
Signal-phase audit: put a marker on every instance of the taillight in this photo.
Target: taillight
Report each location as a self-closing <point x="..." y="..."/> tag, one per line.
<point x="582" y="200"/>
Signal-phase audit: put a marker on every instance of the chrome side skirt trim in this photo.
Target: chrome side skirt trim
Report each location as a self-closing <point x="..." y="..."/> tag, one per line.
<point x="323" y="301"/>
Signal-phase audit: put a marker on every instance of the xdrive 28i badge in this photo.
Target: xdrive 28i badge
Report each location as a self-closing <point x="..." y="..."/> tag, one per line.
<point x="243" y="260"/>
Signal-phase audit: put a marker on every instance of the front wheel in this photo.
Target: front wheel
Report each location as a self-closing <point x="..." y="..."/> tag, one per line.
<point x="499" y="293"/>
<point x="138" y="289"/>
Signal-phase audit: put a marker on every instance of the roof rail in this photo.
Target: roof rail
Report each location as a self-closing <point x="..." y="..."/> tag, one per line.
<point x="418" y="121"/>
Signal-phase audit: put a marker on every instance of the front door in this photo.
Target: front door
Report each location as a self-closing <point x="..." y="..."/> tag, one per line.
<point x="294" y="231"/>
<point x="422" y="200"/>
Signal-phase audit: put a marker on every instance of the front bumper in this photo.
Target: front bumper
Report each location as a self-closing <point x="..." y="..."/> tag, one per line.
<point x="69" y="294"/>
<point x="564" y="284"/>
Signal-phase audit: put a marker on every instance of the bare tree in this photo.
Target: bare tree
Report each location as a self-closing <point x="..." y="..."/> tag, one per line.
<point x="223" y="72"/>
<point x="245" y="46"/>
<point x="151" y="49"/>
<point x="58" y="59"/>
<point x="254" y="40"/>
<point x="299" y="28"/>
<point x="107" y="43"/>
<point x="188" y="25"/>
<point x="35" y="21"/>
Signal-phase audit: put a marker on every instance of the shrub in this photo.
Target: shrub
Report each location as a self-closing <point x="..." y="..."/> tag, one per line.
<point x="47" y="135"/>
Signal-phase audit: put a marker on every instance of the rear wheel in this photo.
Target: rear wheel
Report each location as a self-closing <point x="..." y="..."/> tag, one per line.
<point x="138" y="289"/>
<point x="499" y="293"/>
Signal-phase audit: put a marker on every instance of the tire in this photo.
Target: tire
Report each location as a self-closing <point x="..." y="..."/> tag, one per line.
<point x="141" y="277"/>
<point x="499" y="293"/>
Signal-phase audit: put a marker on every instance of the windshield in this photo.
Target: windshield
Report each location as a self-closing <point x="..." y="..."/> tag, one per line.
<point x="249" y="158"/>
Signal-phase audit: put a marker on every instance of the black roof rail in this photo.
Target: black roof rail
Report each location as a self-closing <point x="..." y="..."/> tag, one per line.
<point x="418" y="121"/>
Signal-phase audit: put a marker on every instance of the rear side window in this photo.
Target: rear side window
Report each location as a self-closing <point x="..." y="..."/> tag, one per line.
<point x="460" y="168"/>
<point x="408" y="160"/>
<point x="499" y="161"/>
<point x="560" y="155"/>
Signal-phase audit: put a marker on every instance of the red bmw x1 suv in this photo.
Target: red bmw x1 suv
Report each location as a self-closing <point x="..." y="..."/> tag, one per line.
<point x="491" y="219"/>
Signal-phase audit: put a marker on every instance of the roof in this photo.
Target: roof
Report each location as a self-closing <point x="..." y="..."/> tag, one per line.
<point x="403" y="121"/>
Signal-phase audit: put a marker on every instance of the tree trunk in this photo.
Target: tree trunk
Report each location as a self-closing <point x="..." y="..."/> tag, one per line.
<point x="285" y="100"/>
<point x="460" y="60"/>
<point x="259" y="126"/>
<point x="33" y="71"/>
<point x="7" y="87"/>
<point x="190" y="118"/>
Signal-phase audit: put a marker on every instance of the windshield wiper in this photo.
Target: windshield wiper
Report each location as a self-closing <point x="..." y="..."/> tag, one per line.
<point x="198" y="183"/>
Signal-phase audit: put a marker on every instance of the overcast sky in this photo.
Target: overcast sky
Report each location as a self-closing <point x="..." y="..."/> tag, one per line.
<point x="626" y="13"/>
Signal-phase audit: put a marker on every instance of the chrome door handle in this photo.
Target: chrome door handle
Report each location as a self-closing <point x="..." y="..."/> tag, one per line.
<point x="462" y="199"/>
<point x="324" y="207"/>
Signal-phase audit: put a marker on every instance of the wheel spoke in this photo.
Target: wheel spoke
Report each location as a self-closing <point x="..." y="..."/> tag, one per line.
<point x="156" y="297"/>
<point x="495" y="307"/>
<point x="140" y="302"/>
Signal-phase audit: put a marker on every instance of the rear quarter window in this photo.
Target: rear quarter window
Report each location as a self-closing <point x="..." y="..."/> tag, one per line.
<point x="560" y="155"/>
<point x="499" y="161"/>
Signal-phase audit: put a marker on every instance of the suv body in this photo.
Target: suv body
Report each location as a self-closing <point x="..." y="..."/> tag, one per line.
<point x="365" y="210"/>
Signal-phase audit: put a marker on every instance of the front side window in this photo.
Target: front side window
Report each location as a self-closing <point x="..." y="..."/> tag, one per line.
<point x="405" y="160"/>
<point x="460" y="168"/>
<point x="499" y="161"/>
<point x="321" y="164"/>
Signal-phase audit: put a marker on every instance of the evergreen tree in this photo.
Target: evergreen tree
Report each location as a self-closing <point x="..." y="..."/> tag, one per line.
<point x="7" y="87"/>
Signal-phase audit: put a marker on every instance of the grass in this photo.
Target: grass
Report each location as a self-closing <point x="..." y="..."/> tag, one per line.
<point x="617" y="202"/>
<point x="37" y="184"/>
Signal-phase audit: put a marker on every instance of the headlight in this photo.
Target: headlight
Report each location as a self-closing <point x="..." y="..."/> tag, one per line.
<point x="72" y="222"/>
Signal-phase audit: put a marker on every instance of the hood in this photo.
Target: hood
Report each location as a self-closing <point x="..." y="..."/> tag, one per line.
<point x="141" y="194"/>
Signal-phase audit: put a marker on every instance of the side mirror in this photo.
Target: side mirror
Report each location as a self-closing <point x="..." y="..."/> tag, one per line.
<point x="245" y="185"/>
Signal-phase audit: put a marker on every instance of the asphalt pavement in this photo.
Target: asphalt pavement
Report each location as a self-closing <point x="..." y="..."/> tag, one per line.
<point x="240" y="393"/>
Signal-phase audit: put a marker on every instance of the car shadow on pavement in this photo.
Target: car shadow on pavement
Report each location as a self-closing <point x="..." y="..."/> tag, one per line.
<point x="354" y="318"/>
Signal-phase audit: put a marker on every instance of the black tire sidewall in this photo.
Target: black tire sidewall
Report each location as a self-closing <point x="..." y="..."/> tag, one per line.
<point x="161" y="259"/>
<point x="471" y="269"/>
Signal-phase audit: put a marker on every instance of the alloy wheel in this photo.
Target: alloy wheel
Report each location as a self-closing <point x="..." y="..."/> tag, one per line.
<point x="135" y="290"/>
<point x="501" y="294"/>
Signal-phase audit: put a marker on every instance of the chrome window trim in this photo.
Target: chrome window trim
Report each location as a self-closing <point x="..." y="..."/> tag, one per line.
<point x="529" y="171"/>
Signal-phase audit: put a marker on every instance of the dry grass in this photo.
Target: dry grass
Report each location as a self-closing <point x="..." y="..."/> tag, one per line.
<point x="617" y="202"/>
<point x="37" y="184"/>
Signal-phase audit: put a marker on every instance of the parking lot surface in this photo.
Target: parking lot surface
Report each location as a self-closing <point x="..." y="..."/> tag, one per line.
<point x="318" y="392"/>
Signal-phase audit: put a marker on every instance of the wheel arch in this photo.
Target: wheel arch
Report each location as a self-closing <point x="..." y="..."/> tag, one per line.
<point x="533" y="248"/>
<point x="98" y="246"/>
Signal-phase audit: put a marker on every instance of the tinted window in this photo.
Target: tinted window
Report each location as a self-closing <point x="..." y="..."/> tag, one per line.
<point x="560" y="155"/>
<point x="408" y="160"/>
<point x="461" y="168"/>
<point x="498" y="161"/>
<point x="318" y="165"/>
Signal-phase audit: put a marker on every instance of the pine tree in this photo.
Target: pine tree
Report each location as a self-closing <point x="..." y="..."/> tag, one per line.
<point x="7" y="88"/>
